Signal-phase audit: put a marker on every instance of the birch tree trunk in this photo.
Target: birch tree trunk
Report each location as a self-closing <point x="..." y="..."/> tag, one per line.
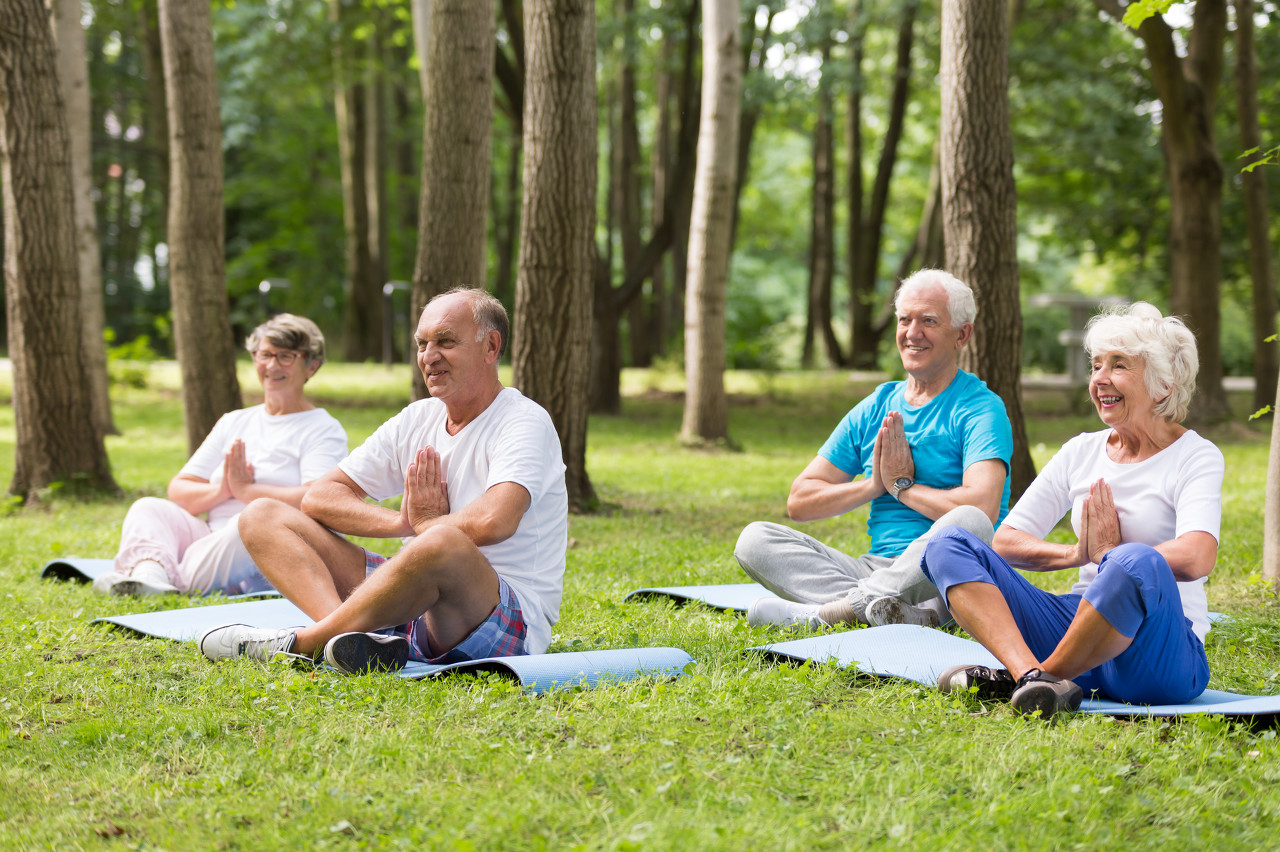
<point x="554" y="285"/>
<point x="53" y="414"/>
<point x="979" y="202"/>
<point x="197" y="272"/>
<point x="73" y="73"/>
<point x="456" y="142"/>
<point x="706" y="408"/>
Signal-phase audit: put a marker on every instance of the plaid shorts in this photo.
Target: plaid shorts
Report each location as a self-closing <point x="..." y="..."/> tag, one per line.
<point x="500" y="635"/>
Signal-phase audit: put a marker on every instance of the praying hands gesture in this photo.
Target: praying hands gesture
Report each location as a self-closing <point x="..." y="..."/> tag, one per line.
<point x="426" y="495"/>
<point x="893" y="454"/>
<point x="1099" y="524"/>
<point x="237" y="472"/>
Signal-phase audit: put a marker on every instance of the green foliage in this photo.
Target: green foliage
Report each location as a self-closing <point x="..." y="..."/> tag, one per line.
<point x="1139" y="10"/>
<point x="109" y="740"/>
<point x="128" y="363"/>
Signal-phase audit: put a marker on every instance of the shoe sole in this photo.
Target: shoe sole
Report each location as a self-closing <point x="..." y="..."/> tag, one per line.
<point x="1046" y="699"/>
<point x="883" y="611"/>
<point x="360" y="653"/>
<point x="139" y="589"/>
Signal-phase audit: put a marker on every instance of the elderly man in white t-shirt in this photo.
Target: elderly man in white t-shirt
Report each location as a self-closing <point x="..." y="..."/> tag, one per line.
<point x="484" y="516"/>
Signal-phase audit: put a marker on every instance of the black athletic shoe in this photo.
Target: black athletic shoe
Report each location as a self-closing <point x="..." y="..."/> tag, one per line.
<point x="1045" y="693"/>
<point x="358" y="653"/>
<point x="992" y="684"/>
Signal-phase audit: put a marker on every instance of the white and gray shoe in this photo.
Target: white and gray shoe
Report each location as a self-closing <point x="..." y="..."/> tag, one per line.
<point x="776" y="612"/>
<point x="893" y="611"/>
<point x="146" y="578"/>
<point x="229" y="641"/>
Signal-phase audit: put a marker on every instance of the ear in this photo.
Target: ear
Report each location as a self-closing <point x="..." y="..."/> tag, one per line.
<point x="966" y="332"/>
<point x="492" y="346"/>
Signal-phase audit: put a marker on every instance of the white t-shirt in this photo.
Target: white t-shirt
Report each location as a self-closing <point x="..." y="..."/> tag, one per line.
<point x="1176" y="491"/>
<point x="513" y="440"/>
<point x="284" y="449"/>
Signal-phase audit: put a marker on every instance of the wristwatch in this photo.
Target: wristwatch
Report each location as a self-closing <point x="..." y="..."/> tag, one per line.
<point x="902" y="483"/>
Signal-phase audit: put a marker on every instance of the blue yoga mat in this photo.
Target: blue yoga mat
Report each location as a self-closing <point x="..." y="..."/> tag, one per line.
<point x="730" y="596"/>
<point x="920" y="654"/>
<point x="535" y="672"/>
<point x="88" y="570"/>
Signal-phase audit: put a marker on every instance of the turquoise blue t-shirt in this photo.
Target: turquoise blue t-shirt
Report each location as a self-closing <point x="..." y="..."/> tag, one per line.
<point x="964" y="424"/>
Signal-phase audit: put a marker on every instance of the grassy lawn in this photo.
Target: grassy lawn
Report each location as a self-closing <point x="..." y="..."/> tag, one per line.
<point x="110" y="741"/>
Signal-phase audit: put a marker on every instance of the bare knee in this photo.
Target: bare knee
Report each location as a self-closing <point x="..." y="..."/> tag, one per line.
<point x="267" y="516"/>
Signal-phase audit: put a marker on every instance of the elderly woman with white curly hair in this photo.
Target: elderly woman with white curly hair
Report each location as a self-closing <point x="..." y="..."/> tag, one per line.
<point x="1145" y="497"/>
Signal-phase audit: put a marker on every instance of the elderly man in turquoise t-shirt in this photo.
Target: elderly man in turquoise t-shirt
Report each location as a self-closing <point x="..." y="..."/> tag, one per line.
<point x="927" y="452"/>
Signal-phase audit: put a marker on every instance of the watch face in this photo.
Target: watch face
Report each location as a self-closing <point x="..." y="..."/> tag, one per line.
<point x="903" y="482"/>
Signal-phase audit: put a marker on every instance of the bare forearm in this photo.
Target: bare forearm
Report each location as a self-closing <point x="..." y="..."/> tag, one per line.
<point x="339" y="509"/>
<point x="933" y="503"/>
<point x="195" y="496"/>
<point x="1023" y="550"/>
<point x="291" y="494"/>
<point x="812" y="500"/>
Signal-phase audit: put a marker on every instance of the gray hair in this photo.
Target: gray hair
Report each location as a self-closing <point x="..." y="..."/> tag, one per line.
<point x="1165" y="345"/>
<point x="288" y="331"/>
<point x="960" y="302"/>
<point x="487" y="312"/>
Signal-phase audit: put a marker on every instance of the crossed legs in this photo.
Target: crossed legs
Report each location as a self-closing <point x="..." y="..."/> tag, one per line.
<point x="439" y="575"/>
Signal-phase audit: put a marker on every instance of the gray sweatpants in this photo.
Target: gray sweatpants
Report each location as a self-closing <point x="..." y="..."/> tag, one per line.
<point x="800" y="568"/>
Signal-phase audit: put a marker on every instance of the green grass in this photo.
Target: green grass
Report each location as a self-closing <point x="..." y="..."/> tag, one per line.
<point x="110" y="741"/>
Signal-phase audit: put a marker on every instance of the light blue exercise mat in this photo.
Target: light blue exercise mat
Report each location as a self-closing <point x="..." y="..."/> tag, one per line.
<point x="536" y="672"/>
<point x="921" y="653"/>
<point x="75" y="568"/>
<point x="730" y="596"/>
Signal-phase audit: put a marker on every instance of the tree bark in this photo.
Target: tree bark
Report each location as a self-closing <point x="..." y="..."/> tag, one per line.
<point x="53" y="413"/>
<point x="552" y="330"/>
<point x="706" y="408"/>
<point x="456" y="141"/>
<point x="1187" y="88"/>
<point x="362" y="291"/>
<point x="1266" y="360"/>
<point x="197" y="274"/>
<point x="822" y="250"/>
<point x="979" y="202"/>
<point x="73" y="72"/>
<point x="1271" y="507"/>
<point x="375" y="164"/>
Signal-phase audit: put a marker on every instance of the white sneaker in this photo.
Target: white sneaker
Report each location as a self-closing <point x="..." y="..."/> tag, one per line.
<point x="360" y="653"/>
<point x="893" y="611"/>
<point x="229" y="641"/>
<point x="146" y="578"/>
<point x="104" y="584"/>
<point x="776" y="612"/>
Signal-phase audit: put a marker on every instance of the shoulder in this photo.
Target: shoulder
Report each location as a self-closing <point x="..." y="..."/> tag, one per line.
<point x="1194" y="448"/>
<point x="515" y="410"/>
<point x="974" y="393"/>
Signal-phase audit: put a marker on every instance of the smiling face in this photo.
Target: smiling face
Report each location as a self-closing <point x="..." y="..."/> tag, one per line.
<point x="1118" y="389"/>
<point x="927" y="342"/>
<point x="277" y="378"/>
<point x="455" y="365"/>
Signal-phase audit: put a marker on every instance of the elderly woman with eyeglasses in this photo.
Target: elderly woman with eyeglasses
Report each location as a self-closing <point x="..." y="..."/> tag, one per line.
<point x="270" y="450"/>
<point x="1145" y="499"/>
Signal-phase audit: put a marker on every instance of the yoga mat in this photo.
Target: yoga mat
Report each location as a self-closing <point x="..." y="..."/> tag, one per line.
<point x="536" y="672"/>
<point x="88" y="570"/>
<point x="730" y="596"/>
<point x="921" y="653"/>
<point x="738" y="596"/>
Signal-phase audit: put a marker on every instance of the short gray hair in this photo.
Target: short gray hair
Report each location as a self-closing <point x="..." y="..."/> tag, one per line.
<point x="1165" y="345"/>
<point x="960" y="302"/>
<point x="290" y="332"/>
<point x="487" y="312"/>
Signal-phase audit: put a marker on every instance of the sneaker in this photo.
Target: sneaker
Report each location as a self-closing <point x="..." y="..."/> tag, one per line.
<point x="103" y="584"/>
<point x="992" y="684"/>
<point x="893" y="611"/>
<point x="146" y="578"/>
<point x="240" y="640"/>
<point x="1038" y="691"/>
<point x="775" y="612"/>
<point x="358" y="653"/>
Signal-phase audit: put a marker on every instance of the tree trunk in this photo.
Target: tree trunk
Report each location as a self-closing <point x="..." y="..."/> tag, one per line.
<point x="557" y="250"/>
<point x="979" y="203"/>
<point x="73" y="72"/>
<point x="822" y="251"/>
<point x="197" y="275"/>
<point x="1187" y="89"/>
<point x="53" y="413"/>
<point x="661" y="169"/>
<point x="706" y="407"/>
<point x="457" y="137"/>
<point x="1266" y="361"/>
<point x="155" y="129"/>
<point x="1271" y="507"/>
<point x="754" y="52"/>
<point x="362" y="291"/>
<point x="375" y="165"/>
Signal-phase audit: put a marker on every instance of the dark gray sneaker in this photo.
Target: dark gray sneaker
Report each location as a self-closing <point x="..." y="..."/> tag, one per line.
<point x="358" y="653"/>
<point x="893" y="611"/>
<point x="991" y="684"/>
<point x="1038" y="691"/>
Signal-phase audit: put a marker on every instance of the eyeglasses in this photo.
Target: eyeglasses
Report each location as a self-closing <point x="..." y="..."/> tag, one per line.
<point x="284" y="357"/>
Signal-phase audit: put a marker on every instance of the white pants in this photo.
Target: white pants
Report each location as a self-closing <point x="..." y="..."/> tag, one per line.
<point x="197" y="559"/>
